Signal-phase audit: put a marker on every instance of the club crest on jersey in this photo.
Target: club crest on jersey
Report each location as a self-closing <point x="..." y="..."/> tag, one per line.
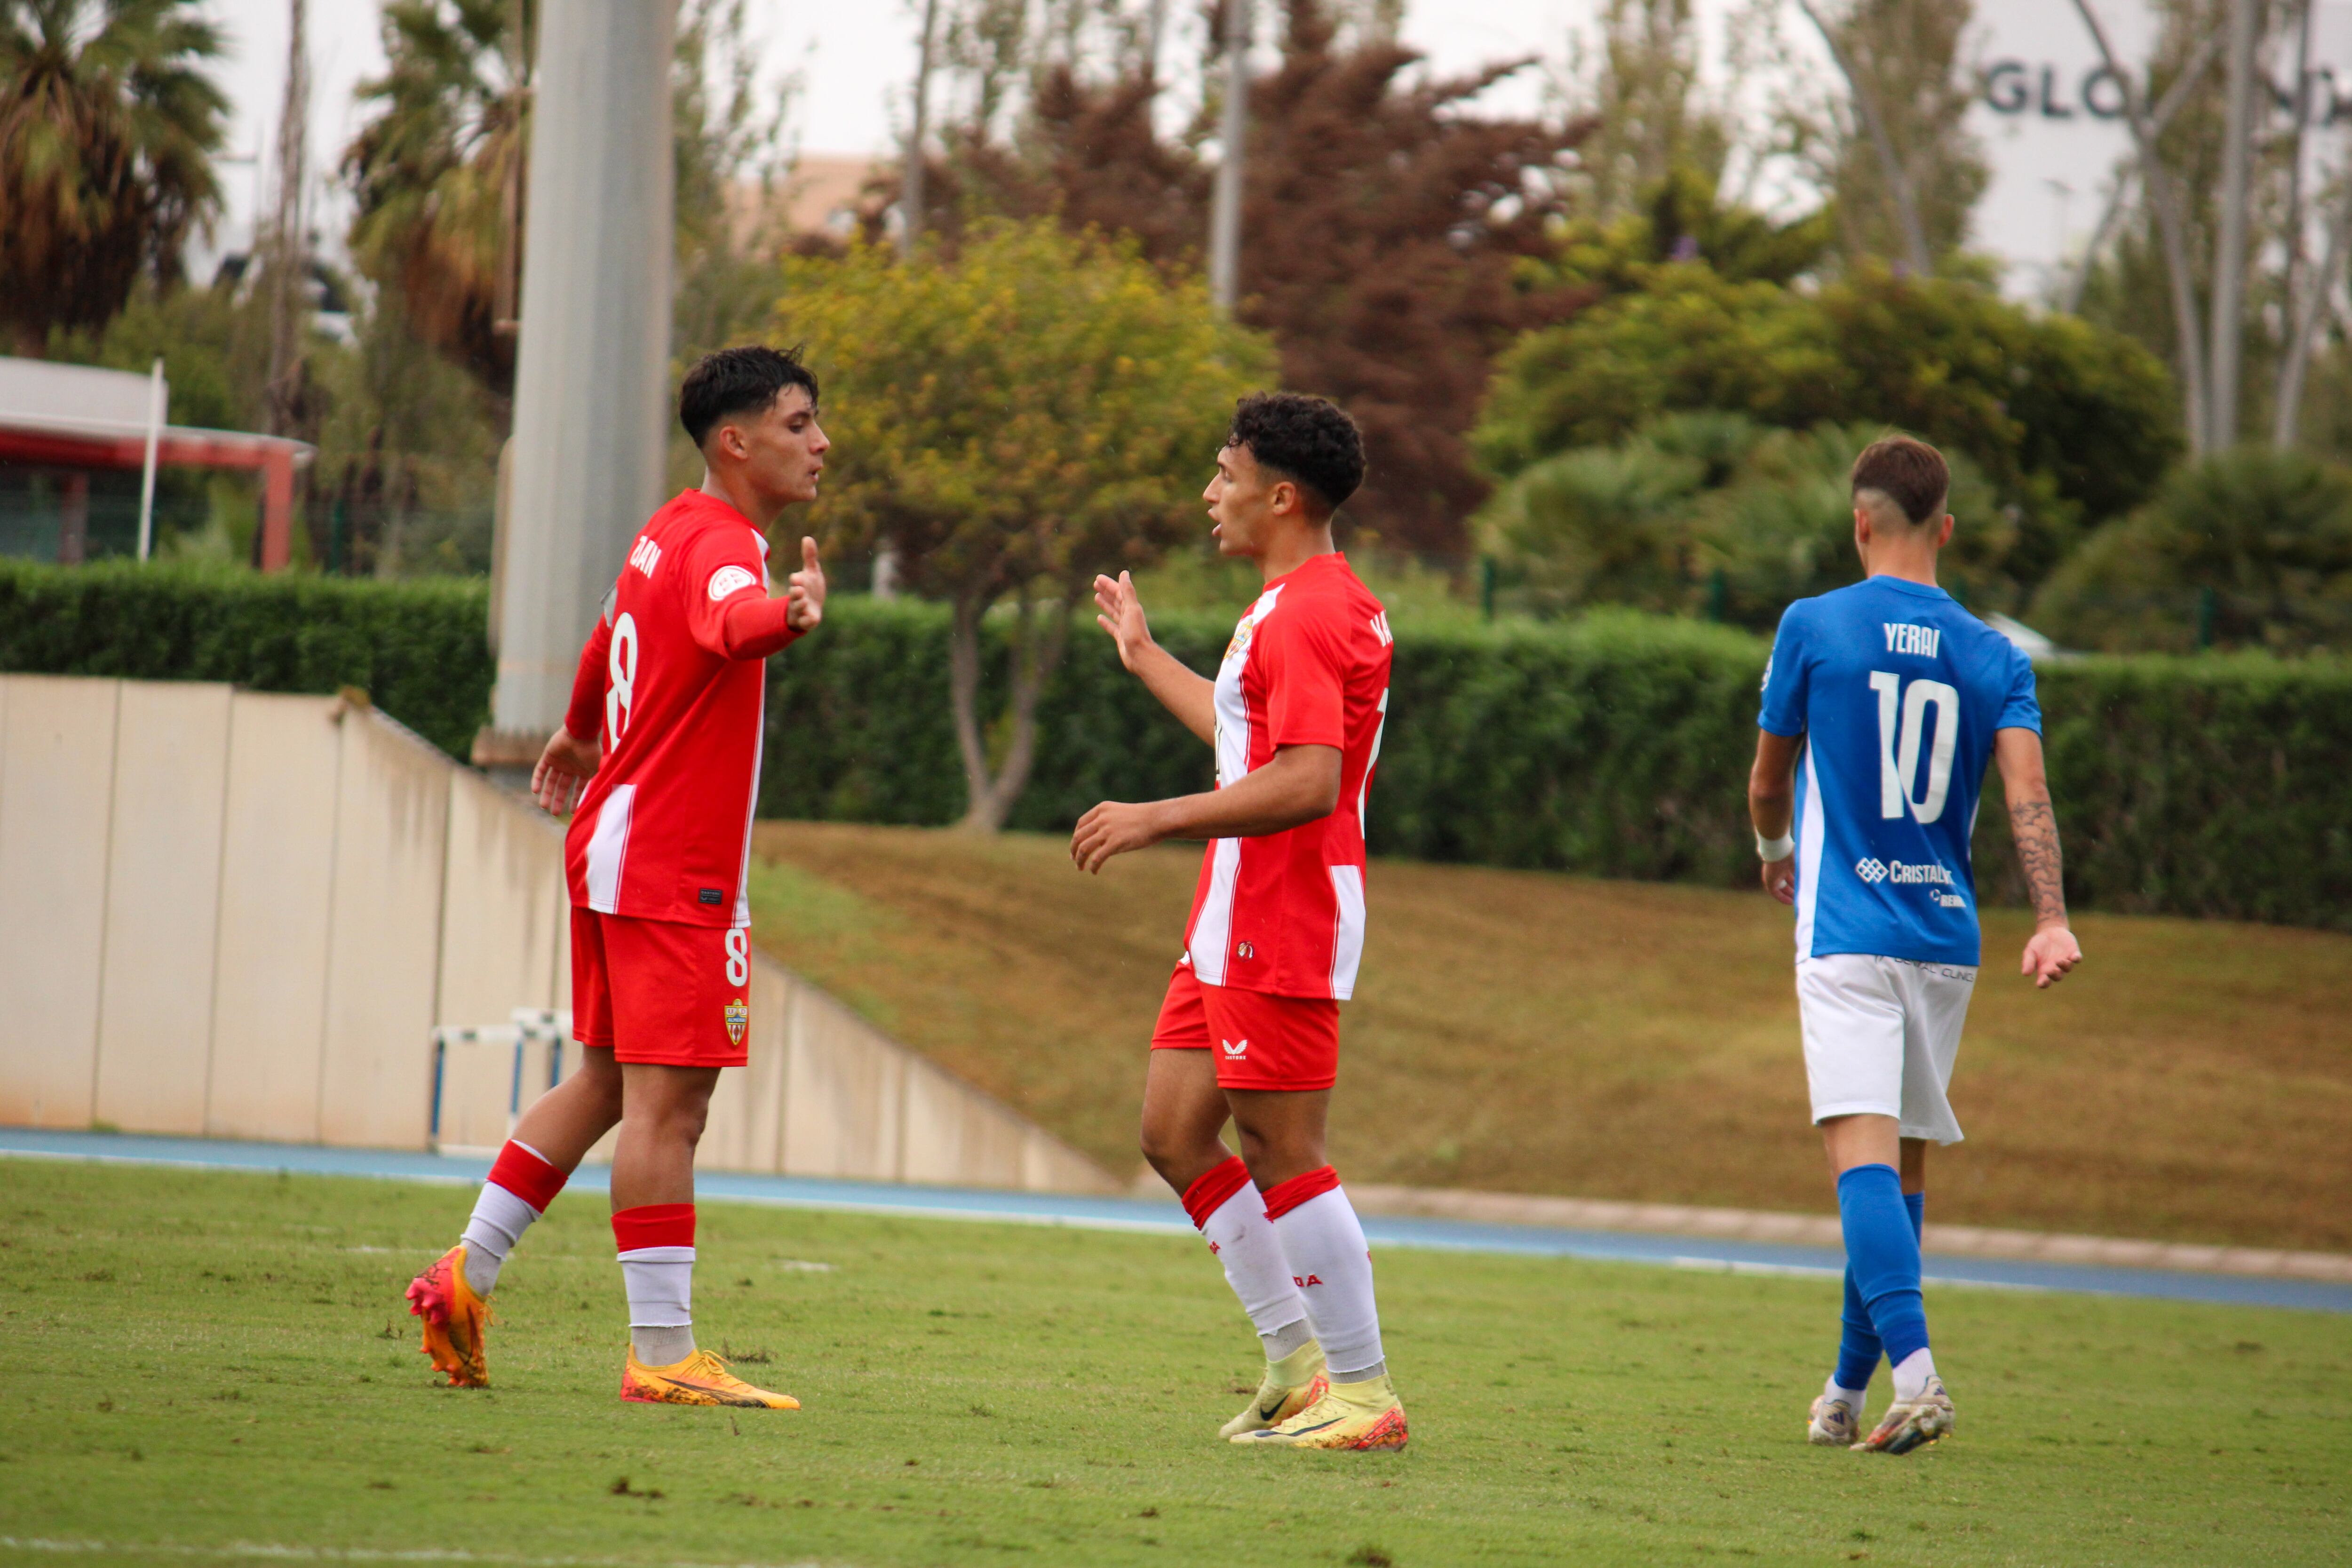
<point x="729" y="580"/>
<point x="739" y="1018"/>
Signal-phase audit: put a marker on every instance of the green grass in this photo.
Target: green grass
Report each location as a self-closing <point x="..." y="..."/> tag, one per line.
<point x="194" y="1362"/>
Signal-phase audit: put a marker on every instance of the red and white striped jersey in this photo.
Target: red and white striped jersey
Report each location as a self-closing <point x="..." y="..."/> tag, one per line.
<point x="663" y="831"/>
<point x="1308" y="666"/>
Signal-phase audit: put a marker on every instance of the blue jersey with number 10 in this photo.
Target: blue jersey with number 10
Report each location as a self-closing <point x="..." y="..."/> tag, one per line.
<point x="1898" y="691"/>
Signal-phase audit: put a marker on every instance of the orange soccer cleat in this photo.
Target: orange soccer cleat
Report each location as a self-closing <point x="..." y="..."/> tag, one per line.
<point x="456" y="1322"/>
<point x="700" y="1379"/>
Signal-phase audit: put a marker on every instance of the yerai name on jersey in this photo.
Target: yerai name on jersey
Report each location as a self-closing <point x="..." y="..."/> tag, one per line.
<point x="1898" y="691"/>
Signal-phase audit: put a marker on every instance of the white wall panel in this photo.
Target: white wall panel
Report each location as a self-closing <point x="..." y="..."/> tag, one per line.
<point x="504" y="930"/>
<point x="57" y="772"/>
<point x="845" y="1091"/>
<point x="953" y="1135"/>
<point x="278" y="872"/>
<point x="392" y="830"/>
<point x="162" y="905"/>
<point x="311" y="890"/>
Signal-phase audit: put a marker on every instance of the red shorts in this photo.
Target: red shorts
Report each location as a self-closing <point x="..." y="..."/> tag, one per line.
<point x="1259" y="1041"/>
<point x="660" y="991"/>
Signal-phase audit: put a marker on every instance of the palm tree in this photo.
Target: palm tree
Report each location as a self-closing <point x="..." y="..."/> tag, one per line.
<point x="438" y="175"/>
<point x="107" y="124"/>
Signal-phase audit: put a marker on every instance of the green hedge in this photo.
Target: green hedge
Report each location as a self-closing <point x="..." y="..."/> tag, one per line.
<point x="1619" y="746"/>
<point x="418" y="649"/>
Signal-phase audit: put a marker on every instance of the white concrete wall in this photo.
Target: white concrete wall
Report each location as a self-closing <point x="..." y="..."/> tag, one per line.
<point x="57" y="781"/>
<point x="243" y="914"/>
<point x="163" y="906"/>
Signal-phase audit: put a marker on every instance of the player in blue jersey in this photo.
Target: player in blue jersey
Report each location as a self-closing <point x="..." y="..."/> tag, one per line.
<point x="1883" y="704"/>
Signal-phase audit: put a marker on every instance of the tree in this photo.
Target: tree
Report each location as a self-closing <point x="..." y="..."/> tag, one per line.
<point x="1386" y="227"/>
<point x="1893" y="153"/>
<point x="107" y="124"/>
<point x="2071" y="424"/>
<point x="1714" y="513"/>
<point x="1012" y="420"/>
<point x="1386" y="223"/>
<point x="2250" y="548"/>
<point x="1647" y="124"/>
<point x="437" y="175"/>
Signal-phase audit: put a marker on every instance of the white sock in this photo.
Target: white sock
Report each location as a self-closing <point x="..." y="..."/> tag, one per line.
<point x="1333" y="1272"/>
<point x="1852" y="1397"/>
<point x="1911" y="1376"/>
<point x="660" y="1281"/>
<point x="1287" y="1341"/>
<point x="500" y="1219"/>
<point x="1244" y="1241"/>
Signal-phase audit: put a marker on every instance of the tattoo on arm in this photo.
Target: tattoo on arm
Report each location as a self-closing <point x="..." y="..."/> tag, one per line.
<point x="2035" y="829"/>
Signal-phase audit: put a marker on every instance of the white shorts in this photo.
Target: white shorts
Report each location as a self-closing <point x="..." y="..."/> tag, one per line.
<point x="1881" y="1036"/>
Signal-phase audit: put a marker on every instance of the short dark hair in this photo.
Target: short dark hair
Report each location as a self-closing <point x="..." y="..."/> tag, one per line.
<point x="1303" y="439"/>
<point x="743" y="380"/>
<point x="1907" y="471"/>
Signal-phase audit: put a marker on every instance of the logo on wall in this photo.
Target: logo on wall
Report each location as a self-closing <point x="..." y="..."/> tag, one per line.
<point x="2018" y="87"/>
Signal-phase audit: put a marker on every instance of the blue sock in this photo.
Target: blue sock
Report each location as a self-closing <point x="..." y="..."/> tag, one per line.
<point x="1883" y="1257"/>
<point x="1858" y="1346"/>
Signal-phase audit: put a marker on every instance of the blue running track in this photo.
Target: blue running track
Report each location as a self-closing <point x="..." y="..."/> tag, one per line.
<point x="1166" y="1215"/>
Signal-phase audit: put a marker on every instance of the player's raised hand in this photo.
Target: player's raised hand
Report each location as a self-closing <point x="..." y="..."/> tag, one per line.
<point x="565" y="768"/>
<point x="806" y="589"/>
<point x="1119" y="611"/>
<point x="2050" y="953"/>
<point x="1112" y="829"/>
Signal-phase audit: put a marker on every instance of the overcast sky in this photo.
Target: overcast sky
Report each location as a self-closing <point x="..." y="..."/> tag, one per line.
<point x="853" y="59"/>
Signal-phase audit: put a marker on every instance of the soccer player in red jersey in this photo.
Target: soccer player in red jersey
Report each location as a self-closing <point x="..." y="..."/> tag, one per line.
<point x="1250" y="1028"/>
<point x="660" y="755"/>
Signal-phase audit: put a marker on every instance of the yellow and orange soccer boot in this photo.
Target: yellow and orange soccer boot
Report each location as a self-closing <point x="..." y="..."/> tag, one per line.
<point x="1357" y="1415"/>
<point x="700" y="1379"/>
<point x="456" y="1322"/>
<point x="1289" y="1386"/>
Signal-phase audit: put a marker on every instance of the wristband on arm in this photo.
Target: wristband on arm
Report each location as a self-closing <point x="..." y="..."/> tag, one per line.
<point x="1780" y="848"/>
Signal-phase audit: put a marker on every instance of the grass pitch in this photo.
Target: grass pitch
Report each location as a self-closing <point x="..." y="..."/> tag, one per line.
<point x="1526" y="1032"/>
<point x="209" y="1365"/>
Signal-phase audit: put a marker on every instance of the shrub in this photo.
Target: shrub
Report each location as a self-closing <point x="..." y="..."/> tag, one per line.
<point x="2071" y="422"/>
<point x="2264" y="539"/>
<point x="1618" y="745"/>
<point x="418" y="647"/>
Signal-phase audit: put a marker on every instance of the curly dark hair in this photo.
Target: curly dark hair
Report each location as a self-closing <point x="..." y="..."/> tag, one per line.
<point x="1305" y="440"/>
<point x="744" y="380"/>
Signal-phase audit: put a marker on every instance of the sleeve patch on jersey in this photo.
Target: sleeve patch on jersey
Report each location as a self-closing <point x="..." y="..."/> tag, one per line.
<point x="729" y="580"/>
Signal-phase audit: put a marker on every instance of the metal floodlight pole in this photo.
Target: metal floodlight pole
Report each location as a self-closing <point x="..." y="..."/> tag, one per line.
<point x="156" y="400"/>
<point x="591" y="367"/>
<point x="1225" y="218"/>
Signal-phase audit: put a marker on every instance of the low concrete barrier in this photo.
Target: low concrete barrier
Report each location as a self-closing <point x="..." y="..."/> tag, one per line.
<point x="238" y="914"/>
